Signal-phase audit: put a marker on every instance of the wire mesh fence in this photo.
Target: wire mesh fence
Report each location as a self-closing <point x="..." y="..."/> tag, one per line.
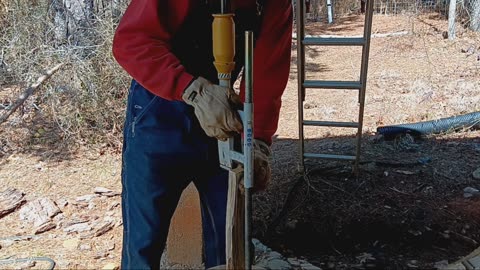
<point x="394" y="7"/>
<point x="467" y="10"/>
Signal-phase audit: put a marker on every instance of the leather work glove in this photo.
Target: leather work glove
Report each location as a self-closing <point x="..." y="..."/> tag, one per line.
<point x="261" y="165"/>
<point x="215" y="107"/>
<point x="262" y="172"/>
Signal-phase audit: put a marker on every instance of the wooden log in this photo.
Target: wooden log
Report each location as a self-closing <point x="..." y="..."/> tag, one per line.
<point x="235" y="246"/>
<point x="10" y="200"/>
<point x="39" y="211"/>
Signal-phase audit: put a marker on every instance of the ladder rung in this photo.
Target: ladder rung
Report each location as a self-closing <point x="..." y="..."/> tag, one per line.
<point x="331" y="124"/>
<point x="343" y="41"/>
<point x="328" y="156"/>
<point x="333" y="84"/>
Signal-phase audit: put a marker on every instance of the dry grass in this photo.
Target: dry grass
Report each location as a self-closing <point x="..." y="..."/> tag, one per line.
<point x="85" y="100"/>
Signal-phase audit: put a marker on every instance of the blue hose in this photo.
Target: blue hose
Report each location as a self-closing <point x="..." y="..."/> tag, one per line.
<point x="471" y="120"/>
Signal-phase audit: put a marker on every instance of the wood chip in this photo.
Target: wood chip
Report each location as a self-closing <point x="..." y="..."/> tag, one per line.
<point x="39" y="211"/>
<point x="78" y="227"/>
<point x="86" y="198"/>
<point x="100" y="255"/>
<point x="405" y="172"/>
<point x="10" y="200"/>
<point x="45" y="227"/>
<point x="106" y="192"/>
<point x="103" y="227"/>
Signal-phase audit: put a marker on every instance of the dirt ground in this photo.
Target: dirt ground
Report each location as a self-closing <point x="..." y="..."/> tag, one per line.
<point x="405" y="209"/>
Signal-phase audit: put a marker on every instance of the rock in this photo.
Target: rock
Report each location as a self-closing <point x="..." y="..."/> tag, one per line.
<point x="86" y="198"/>
<point x="59" y="220"/>
<point x="111" y="266"/>
<point x="111" y="246"/>
<point x="293" y="262"/>
<point x="277" y="264"/>
<point x="91" y="205"/>
<point x="470" y="192"/>
<point x="476" y="174"/>
<point x="259" y="247"/>
<point x="455" y="266"/>
<point x="71" y="244"/>
<point x="262" y="264"/>
<point x="469" y="50"/>
<point x="309" y="266"/>
<point x="45" y="227"/>
<point x="274" y="255"/>
<point x="85" y="247"/>
<point x="10" y="200"/>
<point x="39" y="211"/>
<point x="27" y="265"/>
<point x="79" y="227"/>
<point x="412" y="264"/>
<point x="106" y="192"/>
<point x="100" y="255"/>
<point x="441" y="264"/>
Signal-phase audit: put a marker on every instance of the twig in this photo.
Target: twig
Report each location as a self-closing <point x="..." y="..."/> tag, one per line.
<point x="466" y="239"/>
<point x="401" y="192"/>
<point x="335" y="187"/>
<point x="28" y="92"/>
<point x="334" y="249"/>
<point x="288" y="199"/>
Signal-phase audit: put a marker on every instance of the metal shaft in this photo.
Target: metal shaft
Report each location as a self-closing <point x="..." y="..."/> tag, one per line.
<point x="248" y="145"/>
<point x="301" y="77"/>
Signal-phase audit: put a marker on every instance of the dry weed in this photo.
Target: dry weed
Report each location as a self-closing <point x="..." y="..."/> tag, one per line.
<point x="85" y="100"/>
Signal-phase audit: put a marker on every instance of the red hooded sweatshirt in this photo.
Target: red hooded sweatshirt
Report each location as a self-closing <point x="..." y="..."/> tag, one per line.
<point x="142" y="46"/>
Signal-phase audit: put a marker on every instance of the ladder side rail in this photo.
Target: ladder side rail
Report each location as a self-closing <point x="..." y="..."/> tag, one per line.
<point x="363" y="77"/>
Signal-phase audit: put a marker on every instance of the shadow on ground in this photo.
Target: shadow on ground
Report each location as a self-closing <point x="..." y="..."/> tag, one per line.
<point x="407" y="203"/>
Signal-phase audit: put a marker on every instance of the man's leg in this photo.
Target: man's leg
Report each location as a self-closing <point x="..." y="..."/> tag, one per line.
<point x="153" y="177"/>
<point x="213" y="199"/>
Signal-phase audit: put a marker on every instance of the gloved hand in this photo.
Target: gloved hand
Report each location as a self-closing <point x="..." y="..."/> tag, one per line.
<point x="262" y="172"/>
<point x="215" y="107"/>
<point x="261" y="165"/>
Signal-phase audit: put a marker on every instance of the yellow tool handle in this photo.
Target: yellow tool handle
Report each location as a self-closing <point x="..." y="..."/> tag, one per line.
<point x="223" y="29"/>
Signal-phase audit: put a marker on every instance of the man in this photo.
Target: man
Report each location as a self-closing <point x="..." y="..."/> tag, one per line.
<point x="176" y="113"/>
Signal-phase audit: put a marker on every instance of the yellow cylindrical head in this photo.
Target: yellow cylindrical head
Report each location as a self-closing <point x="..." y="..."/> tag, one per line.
<point x="223" y="30"/>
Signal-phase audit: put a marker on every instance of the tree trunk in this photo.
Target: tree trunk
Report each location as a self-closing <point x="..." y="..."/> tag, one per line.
<point x="315" y="9"/>
<point x="475" y="15"/>
<point x="73" y="20"/>
<point x="451" y="19"/>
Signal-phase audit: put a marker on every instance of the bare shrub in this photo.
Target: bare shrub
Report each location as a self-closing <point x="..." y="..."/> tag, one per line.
<point x="86" y="99"/>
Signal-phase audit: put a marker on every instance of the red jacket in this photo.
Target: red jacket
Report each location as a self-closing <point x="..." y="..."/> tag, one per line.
<point x="142" y="47"/>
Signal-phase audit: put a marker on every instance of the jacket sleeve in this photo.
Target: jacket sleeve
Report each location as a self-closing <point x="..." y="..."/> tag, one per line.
<point x="141" y="45"/>
<point x="271" y="67"/>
